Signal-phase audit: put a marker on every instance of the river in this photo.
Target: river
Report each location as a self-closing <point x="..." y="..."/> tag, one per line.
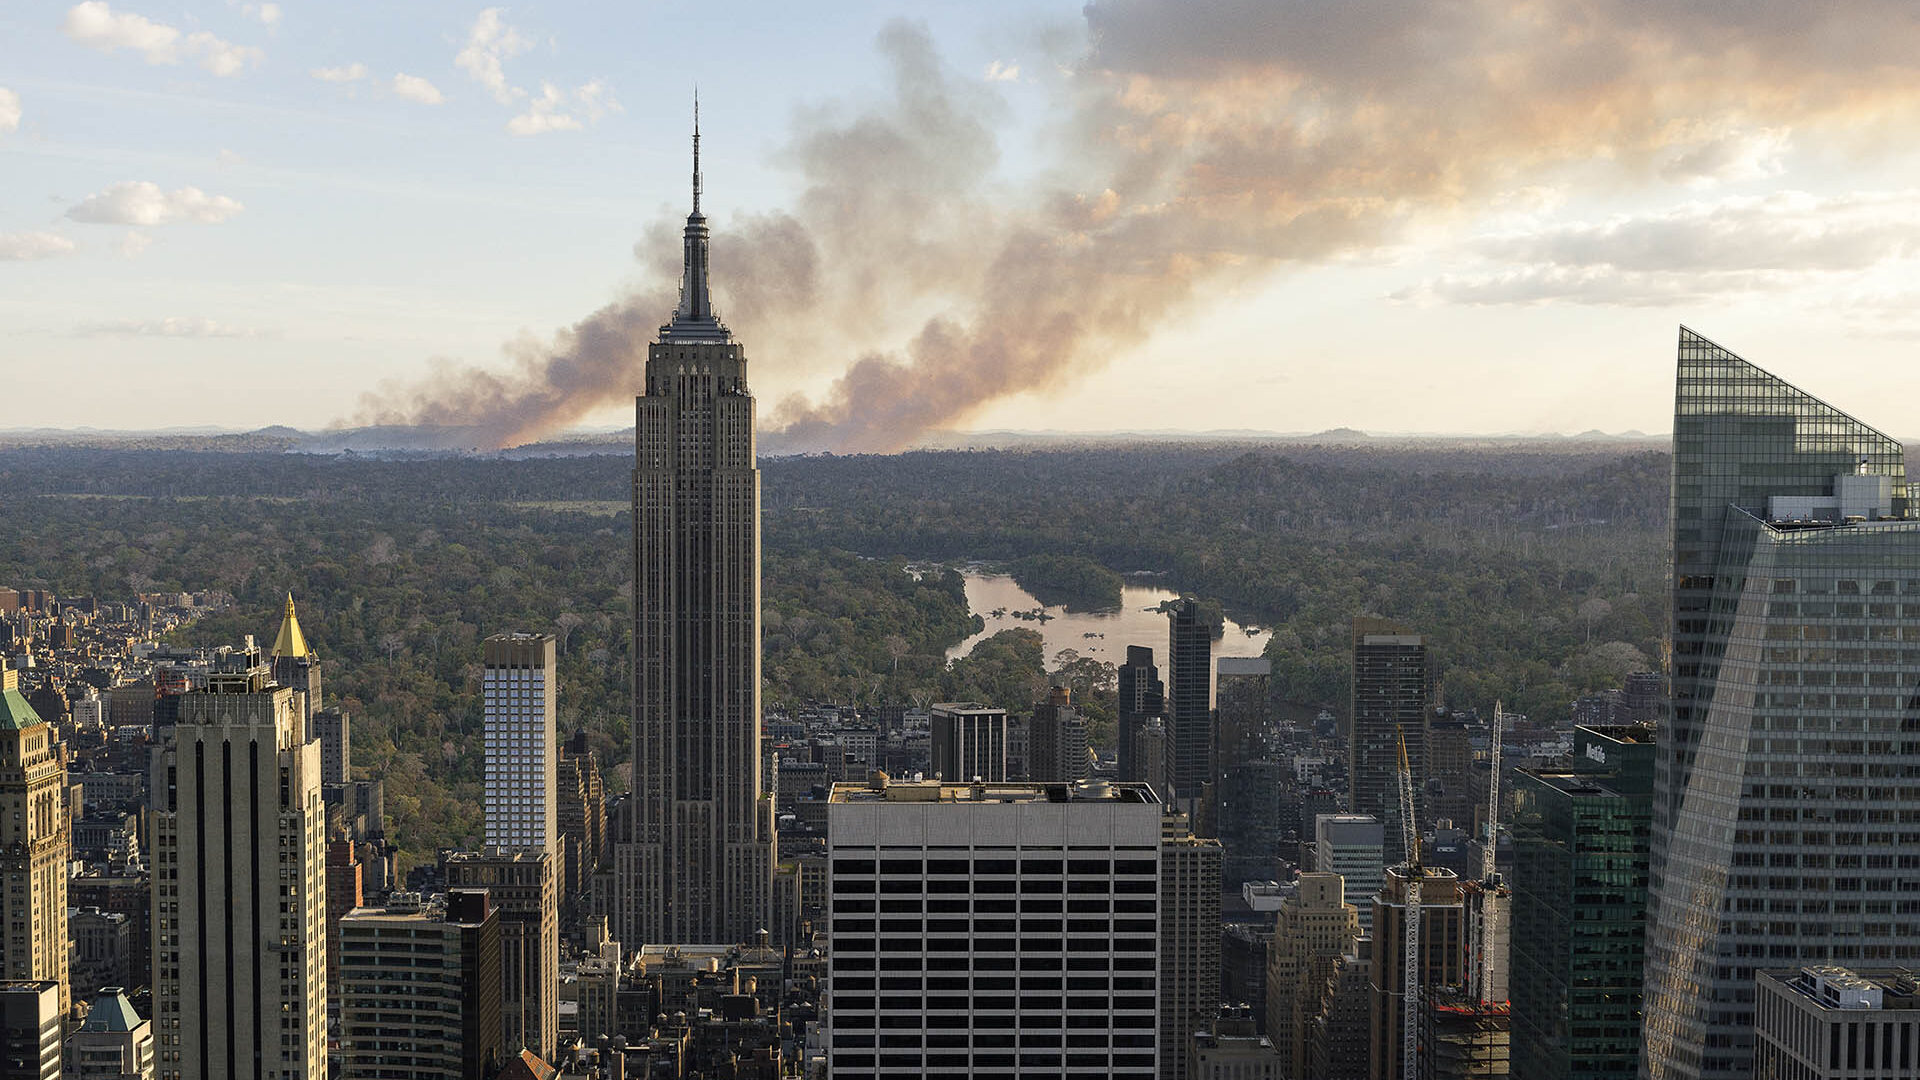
<point x="1102" y="635"/>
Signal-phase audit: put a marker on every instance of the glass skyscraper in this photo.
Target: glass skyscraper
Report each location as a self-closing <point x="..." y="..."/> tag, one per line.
<point x="1788" y="779"/>
<point x="1580" y="847"/>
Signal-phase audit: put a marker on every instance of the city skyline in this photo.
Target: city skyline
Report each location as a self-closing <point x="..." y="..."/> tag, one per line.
<point x="185" y="214"/>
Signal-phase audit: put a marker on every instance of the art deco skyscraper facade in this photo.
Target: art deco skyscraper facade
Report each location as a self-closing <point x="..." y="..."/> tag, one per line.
<point x="1785" y="790"/>
<point x="697" y="861"/>
<point x="35" y="844"/>
<point x="239" y="887"/>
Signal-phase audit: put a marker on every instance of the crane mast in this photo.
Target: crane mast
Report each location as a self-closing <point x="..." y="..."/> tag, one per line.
<point x="1410" y="958"/>
<point x="1488" y="884"/>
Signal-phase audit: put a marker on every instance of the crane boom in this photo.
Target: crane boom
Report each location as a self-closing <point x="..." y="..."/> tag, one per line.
<point x="1410" y="957"/>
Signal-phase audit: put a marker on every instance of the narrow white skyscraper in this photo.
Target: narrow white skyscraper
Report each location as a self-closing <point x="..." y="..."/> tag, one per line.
<point x="522" y="749"/>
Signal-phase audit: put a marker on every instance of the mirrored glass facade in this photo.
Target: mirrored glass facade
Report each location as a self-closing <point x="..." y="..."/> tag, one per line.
<point x="1580" y="848"/>
<point x="1788" y="777"/>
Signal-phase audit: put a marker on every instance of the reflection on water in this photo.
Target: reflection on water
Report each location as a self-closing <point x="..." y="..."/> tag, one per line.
<point x="1104" y="635"/>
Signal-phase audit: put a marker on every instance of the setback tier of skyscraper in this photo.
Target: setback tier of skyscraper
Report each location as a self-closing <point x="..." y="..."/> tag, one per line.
<point x="696" y="862"/>
<point x="1787" y="784"/>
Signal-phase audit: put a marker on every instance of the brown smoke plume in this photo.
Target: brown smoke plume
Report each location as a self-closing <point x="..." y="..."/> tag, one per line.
<point x="1204" y="143"/>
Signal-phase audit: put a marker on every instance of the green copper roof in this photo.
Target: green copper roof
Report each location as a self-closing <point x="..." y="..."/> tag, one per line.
<point x="111" y="1012"/>
<point x="15" y="713"/>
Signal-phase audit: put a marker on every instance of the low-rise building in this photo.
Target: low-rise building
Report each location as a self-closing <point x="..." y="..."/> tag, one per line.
<point x="1834" y="1023"/>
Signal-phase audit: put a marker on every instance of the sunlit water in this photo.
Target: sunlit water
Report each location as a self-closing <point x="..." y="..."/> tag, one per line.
<point x="1103" y="635"/>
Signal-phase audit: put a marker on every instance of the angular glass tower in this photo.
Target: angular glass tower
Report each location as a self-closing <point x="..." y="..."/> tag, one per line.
<point x="698" y="857"/>
<point x="1788" y="777"/>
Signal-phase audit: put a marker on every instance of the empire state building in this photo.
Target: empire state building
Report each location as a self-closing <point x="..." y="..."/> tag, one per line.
<point x="698" y="857"/>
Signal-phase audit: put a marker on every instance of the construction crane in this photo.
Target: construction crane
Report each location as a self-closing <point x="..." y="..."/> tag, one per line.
<point x="1410" y="959"/>
<point x="1489" y="882"/>
<point x="1480" y="932"/>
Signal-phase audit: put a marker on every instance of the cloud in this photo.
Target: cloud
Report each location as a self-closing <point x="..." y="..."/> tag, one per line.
<point x="223" y="58"/>
<point x="543" y="114"/>
<point x="1003" y="71"/>
<point x="1208" y="145"/>
<point x="9" y="110"/>
<point x="268" y="14"/>
<point x="490" y="43"/>
<point x="142" y="202"/>
<point x="173" y="326"/>
<point x="135" y="242"/>
<point x="353" y="72"/>
<point x="1728" y="156"/>
<point x="1684" y="254"/>
<point x="95" y="24"/>
<point x="415" y="88"/>
<point x="554" y="110"/>
<point x="22" y="246"/>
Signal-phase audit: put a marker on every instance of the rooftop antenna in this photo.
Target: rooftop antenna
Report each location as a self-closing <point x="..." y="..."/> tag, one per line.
<point x="696" y="150"/>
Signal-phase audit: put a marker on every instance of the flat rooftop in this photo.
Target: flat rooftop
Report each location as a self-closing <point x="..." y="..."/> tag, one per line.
<point x="1833" y="987"/>
<point x="926" y="791"/>
<point x="1576" y="783"/>
<point x="1626" y="733"/>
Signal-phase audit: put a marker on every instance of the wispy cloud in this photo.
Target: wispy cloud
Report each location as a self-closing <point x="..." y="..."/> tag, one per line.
<point x="415" y="88"/>
<point x="268" y="14"/>
<point x="1003" y="71"/>
<point x="490" y="43"/>
<point x="95" y="24"/>
<point x="346" y="73"/>
<point x="1735" y="245"/>
<point x="555" y="110"/>
<point x="173" y="326"/>
<point x="22" y="246"/>
<point x="9" y="110"/>
<point x="142" y="202"/>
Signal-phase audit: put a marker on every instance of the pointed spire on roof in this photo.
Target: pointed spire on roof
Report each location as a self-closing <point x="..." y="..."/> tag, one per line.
<point x="290" y="642"/>
<point x="694" y="319"/>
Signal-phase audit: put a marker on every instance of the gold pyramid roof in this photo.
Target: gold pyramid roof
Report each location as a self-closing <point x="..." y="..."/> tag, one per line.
<point x="290" y="642"/>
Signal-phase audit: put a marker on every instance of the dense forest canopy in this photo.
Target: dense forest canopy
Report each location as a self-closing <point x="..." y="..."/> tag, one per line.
<point x="1537" y="571"/>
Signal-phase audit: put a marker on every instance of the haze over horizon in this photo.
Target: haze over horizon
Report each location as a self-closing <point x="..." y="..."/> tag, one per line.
<point x="1279" y="217"/>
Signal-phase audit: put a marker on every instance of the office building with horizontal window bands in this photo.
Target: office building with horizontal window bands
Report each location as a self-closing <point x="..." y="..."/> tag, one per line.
<point x="1827" y="1022"/>
<point x="994" y="930"/>
<point x="1786" y="800"/>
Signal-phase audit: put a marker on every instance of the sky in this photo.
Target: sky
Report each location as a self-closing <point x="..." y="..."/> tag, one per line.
<point x="1477" y="216"/>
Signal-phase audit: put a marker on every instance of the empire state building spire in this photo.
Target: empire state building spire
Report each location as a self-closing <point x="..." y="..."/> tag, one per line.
<point x="694" y="319"/>
<point x="697" y="854"/>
